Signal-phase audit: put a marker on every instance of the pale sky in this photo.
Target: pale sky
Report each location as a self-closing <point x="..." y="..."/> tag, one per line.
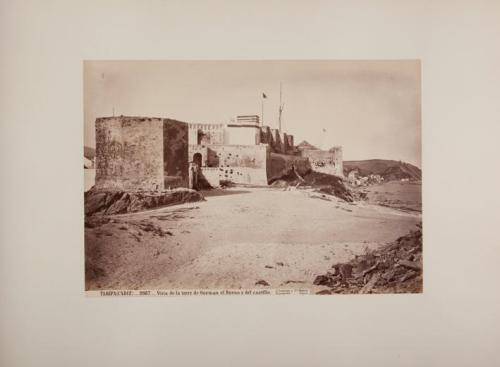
<point x="370" y="108"/>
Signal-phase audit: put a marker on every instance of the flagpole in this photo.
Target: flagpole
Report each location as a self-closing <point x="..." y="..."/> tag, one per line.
<point x="279" y="117"/>
<point x="262" y="112"/>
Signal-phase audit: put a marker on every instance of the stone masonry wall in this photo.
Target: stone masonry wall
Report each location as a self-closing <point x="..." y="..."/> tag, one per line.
<point x="202" y="149"/>
<point x="281" y="164"/>
<point x="241" y="163"/>
<point x="265" y="135"/>
<point x="276" y="142"/>
<point x="290" y="144"/>
<point x="175" y="153"/>
<point x="129" y="153"/>
<point x="242" y="135"/>
<point x="325" y="161"/>
<point x="206" y="133"/>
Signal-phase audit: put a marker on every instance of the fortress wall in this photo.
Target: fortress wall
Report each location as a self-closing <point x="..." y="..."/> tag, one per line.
<point x="246" y="164"/>
<point x="244" y="175"/>
<point x="138" y="153"/>
<point x="175" y="153"/>
<point x="276" y="142"/>
<point x="289" y="142"/>
<point x="206" y="133"/>
<point x="129" y="153"/>
<point x="202" y="149"/>
<point x="193" y="135"/>
<point x="284" y="143"/>
<point x="251" y="156"/>
<point x="281" y="164"/>
<point x="265" y="135"/>
<point x="339" y="161"/>
<point x="326" y="161"/>
<point x="242" y="135"/>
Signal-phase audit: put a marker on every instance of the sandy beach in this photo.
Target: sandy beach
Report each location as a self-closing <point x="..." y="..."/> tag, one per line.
<point x="236" y="238"/>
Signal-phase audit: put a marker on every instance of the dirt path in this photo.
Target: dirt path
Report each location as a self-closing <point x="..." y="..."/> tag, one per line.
<point x="236" y="238"/>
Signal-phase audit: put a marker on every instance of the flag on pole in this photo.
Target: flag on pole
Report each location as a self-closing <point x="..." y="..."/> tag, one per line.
<point x="264" y="95"/>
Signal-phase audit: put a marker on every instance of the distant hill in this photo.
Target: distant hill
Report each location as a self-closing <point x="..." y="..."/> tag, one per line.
<point x="89" y="152"/>
<point x="388" y="169"/>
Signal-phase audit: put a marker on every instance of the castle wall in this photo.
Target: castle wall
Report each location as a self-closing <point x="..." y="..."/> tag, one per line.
<point x="281" y="164"/>
<point x="129" y="153"/>
<point x="330" y="162"/>
<point x="206" y="133"/>
<point x="290" y="148"/>
<point x="175" y="154"/>
<point x="265" y="136"/>
<point x="276" y="142"/>
<point x="286" y="143"/>
<point x="202" y="149"/>
<point x="242" y="135"/>
<point x="245" y="164"/>
<point x="339" y="160"/>
<point x="136" y="153"/>
<point x="193" y="135"/>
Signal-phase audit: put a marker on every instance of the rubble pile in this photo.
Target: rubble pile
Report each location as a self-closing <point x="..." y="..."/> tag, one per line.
<point x="322" y="182"/>
<point x="338" y="191"/>
<point x="120" y="202"/>
<point x="395" y="268"/>
<point x="328" y="184"/>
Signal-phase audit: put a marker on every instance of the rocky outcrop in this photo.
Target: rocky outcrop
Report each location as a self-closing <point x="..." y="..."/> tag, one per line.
<point x="119" y="202"/>
<point x="282" y="164"/>
<point x="321" y="182"/>
<point x="394" y="268"/>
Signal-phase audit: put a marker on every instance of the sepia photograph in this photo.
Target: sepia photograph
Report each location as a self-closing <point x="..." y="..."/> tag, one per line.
<point x="265" y="183"/>
<point x="252" y="177"/>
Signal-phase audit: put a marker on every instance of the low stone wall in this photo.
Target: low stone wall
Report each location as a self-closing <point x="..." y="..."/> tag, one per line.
<point x="280" y="164"/>
<point x="238" y="175"/>
<point x="244" y="175"/>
